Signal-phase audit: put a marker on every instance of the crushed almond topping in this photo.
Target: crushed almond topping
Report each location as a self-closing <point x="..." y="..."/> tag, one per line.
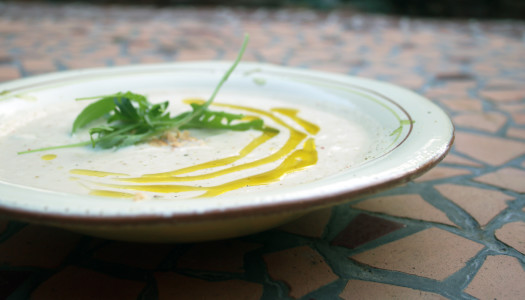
<point x="139" y="197"/>
<point x="158" y="143"/>
<point x="172" y="138"/>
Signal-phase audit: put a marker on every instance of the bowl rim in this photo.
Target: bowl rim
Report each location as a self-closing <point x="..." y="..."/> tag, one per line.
<point x="244" y="211"/>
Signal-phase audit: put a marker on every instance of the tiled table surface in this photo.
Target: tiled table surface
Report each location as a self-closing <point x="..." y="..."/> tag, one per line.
<point x="457" y="232"/>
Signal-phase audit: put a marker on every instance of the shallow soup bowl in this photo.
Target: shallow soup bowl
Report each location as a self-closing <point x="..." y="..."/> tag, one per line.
<point x="336" y="138"/>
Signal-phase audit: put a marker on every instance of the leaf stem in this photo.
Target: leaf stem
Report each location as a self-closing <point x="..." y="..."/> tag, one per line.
<point x="225" y="77"/>
<point x="96" y="97"/>
<point x="81" y="144"/>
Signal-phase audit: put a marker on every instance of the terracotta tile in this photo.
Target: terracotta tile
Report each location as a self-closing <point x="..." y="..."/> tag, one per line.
<point x="458" y="160"/>
<point x="312" y="55"/>
<point x="84" y="63"/>
<point x="446" y="71"/>
<point x="175" y="286"/>
<point x="406" y="206"/>
<point x="331" y="29"/>
<point x="358" y="289"/>
<point x="168" y="47"/>
<point x="282" y="28"/>
<point x="410" y="81"/>
<point x="273" y="54"/>
<point x="511" y="107"/>
<point x="453" y="75"/>
<point x="331" y="67"/>
<point x="490" y="122"/>
<point x="461" y="85"/>
<point x="122" y="61"/>
<point x="139" y="46"/>
<point x="444" y="92"/>
<point x="460" y="58"/>
<point x="431" y="253"/>
<point x="483" y="148"/>
<point x="463" y="104"/>
<point x="151" y="59"/>
<point x="139" y="255"/>
<point x="519" y="118"/>
<point x="5" y="56"/>
<point x="260" y="41"/>
<point x="9" y="73"/>
<point x="79" y="283"/>
<point x="301" y="268"/>
<point x="37" y="66"/>
<point x="312" y="224"/>
<point x="507" y="178"/>
<point x="107" y="51"/>
<point x="225" y="256"/>
<point x="487" y="70"/>
<point x="11" y="280"/>
<point x="249" y="55"/>
<point x="513" y="234"/>
<point x="504" y="95"/>
<point x="440" y="172"/>
<point x="377" y="71"/>
<point x="482" y="204"/>
<point x="363" y="229"/>
<point x="192" y="55"/>
<point x="502" y="83"/>
<point x="516" y="133"/>
<point x="500" y="277"/>
<point x="37" y="246"/>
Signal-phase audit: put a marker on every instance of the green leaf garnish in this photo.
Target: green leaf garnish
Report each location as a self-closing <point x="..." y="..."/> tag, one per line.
<point x="92" y="112"/>
<point x="222" y="120"/>
<point x="132" y="119"/>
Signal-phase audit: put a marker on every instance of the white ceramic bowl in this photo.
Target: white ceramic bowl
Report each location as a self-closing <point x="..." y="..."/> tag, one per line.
<point x="398" y="135"/>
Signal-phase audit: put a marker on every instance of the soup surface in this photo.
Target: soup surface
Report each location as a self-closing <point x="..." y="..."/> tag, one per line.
<point x="313" y="142"/>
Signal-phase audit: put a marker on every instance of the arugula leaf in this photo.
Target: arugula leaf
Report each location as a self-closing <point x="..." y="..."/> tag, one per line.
<point x="132" y="119"/>
<point x="92" y="112"/>
<point x="221" y="120"/>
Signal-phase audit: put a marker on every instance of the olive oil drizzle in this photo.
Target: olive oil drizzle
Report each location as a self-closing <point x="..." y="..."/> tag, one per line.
<point x="310" y="127"/>
<point x="293" y="160"/>
<point x="293" y="141"/>
<point x="298" y="160"/>
<point x="112" y="194"/>
<point x="263" y="138"/>
<point x="48" y="156"/>
<point x="95" y="173"/>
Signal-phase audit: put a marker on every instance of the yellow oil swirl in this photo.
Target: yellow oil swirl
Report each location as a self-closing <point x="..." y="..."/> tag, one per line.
<point x="94" y="173"/>
<point x="48" y="156"/>
<point x="263" y="138"/>
<point x="111" y="194"/>
<point x="293" y="141"/>
<point x="293" y="160"/>
<point x="292" y="114"/>
<point x="296" y="161"/>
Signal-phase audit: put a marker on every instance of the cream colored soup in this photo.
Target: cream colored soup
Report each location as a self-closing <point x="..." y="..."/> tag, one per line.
<point x="312" y="143"/>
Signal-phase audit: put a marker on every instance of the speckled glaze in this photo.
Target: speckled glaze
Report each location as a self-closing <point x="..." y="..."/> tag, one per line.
<point x="373" y="136"/>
